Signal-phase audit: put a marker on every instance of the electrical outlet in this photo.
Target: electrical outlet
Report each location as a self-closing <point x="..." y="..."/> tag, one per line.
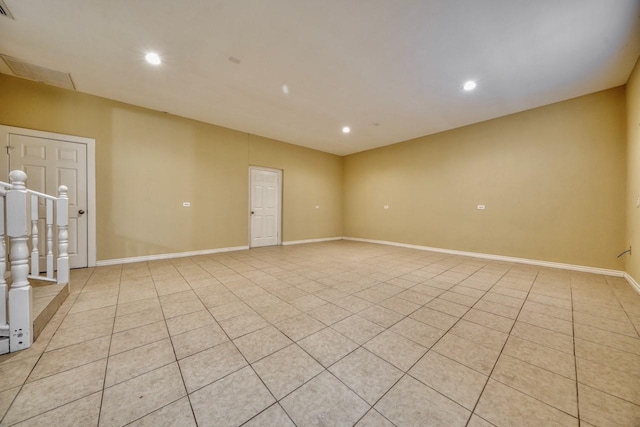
<point x="317" y="206"/>
<point x="385" y="207"/>
<point x="481" y="207"/>
<point x="186" y="204"/>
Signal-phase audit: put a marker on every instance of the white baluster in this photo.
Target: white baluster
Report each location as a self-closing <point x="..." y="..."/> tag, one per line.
<point x="3" y="265"/>
<point x="20" y="297"/>
<point x="62" y="220"/>
<point x="49" y="222"/>
<point x="35" y="255"/>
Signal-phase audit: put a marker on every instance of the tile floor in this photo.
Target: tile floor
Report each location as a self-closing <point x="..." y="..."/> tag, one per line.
<point x="332" y="334"/>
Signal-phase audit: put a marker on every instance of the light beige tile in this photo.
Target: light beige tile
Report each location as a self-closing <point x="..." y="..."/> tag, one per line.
<point x="624" y="327"/>
<point x="196" y="340"/>
<point x="300" y="326"/>
<point x="188" y="322"/>
<point x="307" y="302"/>
<point x="466" y="300"/>
<point x="70" y="336"/>
<point x="137" y="306"/>
<point x="210" y="365"/>
<point x="602" y="409"/>
<point x="476" y="421"/>
<point x="410" y="403"/>
<point x="231" y="400"/>
<point x="541" y="356"/>
<point x="51" y="392"/>
<point x="619" y="383"/>
<point x="324" y="401"/>
<point x="227" y="311"/>
<point x="178" y="413"/>
<point x="399" y="305"/>
<point x="86" y="317"/>
<point x="608" y="356"/>
<point x="180" y="308"/>
<point x="502" y="405"/>
<point x="327" y="346"/>
<point x="434" y="318"/>
<point x="447" y="307"/>
<point x="396" y="349"/>
<point x="286" y="370"/>
<point x="138" y="361"/>
<point x="543" y="336"/>
<point x="242" y="325"/>
<point x="138" y="337"/>
<point x="480" y="334"/>
<point x="412" y="295"/>
<point x="459" y="383"/>
<point x="133" y="399"/>
<point x="353" y="303"/>
<point x="417" y="332"/>
<point x="609" y="339"/>
<point x="552" y="323"/>
<point x="279" y="312"/>
<point x="553" y="389"/>
<point x="261" y="343"/>
<point x="14" y="371"/>
<point x="329" y="313"/>
<point x="92" y="304"/>
<point x="70" y="357"/>
<point x="366" y="374"/>
<point x="374" y="419"/>
<point x="138" y="319"/>
<point x="472" y="355"/>
<point x="6" y="399"/>
<point x="272" y="416"/>
<point x="357" y="329"/>
<point x="381" y="316"/>
<point x="497" y="309"/>
<point x="82" y="412"/>
<point x="493" y="321"/>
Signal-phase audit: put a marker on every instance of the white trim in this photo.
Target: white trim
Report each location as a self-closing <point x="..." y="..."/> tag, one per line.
<point x="550" y="264"/>
<point x="300" y="242"/>
<point x="280" y="188"/>
<point x="632" y="282"/>
<point x="168" y="256"/>
<point x="91" y="177"/>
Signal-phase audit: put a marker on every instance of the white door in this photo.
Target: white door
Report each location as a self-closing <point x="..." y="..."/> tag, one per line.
<point x="265" y="207"/>
<point x="48" y="164"/>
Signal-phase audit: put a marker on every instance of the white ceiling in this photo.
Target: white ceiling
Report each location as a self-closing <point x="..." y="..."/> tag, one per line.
<point x="392" y="70"/>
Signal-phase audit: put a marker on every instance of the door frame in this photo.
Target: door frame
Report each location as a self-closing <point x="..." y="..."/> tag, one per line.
<point x="279" y="221"/>
<point x="90" y="144"/>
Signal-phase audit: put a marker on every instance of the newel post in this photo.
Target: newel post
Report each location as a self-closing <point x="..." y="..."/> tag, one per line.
<point x="20" y="296"/>
<point x="62" y="221"/>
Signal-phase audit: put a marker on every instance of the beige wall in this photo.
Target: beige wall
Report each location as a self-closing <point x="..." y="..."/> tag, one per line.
<point x="633" y="172"/>
<point x="310" y="179"/>
<point x="149" y="162"/>
<point x="553" y="181"/>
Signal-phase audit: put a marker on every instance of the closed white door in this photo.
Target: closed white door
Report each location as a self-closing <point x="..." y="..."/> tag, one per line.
<point x="48" y="164"/>
<point x="265" y="207"/>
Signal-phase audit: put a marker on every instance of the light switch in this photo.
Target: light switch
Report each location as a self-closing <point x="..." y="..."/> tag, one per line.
<point x="317" y="206"/>
<point x="186" y="204"/>
<point x="480" y="207"/>
<point x="386" y="206"/>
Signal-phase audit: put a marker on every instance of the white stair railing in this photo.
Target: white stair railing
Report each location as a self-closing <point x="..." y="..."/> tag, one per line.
<point x="16" y="316"/>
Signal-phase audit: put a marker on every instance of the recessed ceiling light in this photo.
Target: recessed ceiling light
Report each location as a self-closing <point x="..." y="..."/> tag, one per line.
<point x="153" y="58"/>
<point x="469" y="85"/>
<point x="346" y="129"/>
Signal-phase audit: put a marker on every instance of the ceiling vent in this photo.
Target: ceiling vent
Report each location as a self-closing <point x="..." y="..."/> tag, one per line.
<point x="38" y="73"/>
<point x="4" y="10"/>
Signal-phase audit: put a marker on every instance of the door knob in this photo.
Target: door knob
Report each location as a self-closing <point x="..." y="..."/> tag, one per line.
<point x="251" y="212"/>
<point x="81" y="212"/>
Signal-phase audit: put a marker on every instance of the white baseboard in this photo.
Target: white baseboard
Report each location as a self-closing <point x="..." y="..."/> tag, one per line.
<point x="168" y="256"/>
<point x="632" y="282"/>
<point x="550" y="264"/>
<point x="300" y="242"/>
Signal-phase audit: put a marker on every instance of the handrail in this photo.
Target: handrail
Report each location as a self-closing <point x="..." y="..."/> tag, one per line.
<point x="44" y="196"/>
